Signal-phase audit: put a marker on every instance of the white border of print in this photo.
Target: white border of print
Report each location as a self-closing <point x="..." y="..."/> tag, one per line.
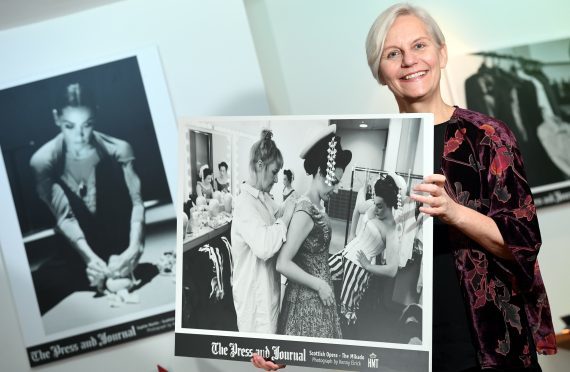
<point x="11" y="243"/>
<point x="209" y="124"/>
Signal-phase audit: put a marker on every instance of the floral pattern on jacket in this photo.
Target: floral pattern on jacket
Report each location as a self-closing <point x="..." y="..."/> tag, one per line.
<point x="507" y="299"/>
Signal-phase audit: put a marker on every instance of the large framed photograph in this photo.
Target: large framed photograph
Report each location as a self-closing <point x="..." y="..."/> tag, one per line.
<point x="299" y="241"/>
<point x="86" y="187"/>
<point x="528" y="88"/>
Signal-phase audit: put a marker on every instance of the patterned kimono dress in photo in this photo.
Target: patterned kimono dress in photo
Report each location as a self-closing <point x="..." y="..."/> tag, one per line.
<point x="302" y="311"/>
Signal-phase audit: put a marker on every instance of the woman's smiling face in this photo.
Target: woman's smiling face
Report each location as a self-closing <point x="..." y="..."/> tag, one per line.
<point x="411" y="61"/>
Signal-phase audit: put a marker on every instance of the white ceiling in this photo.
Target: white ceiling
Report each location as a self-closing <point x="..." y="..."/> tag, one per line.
<point x="14" y="13"/>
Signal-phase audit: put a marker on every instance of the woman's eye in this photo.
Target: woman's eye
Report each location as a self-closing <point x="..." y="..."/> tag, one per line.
<point x="420" y="46"/>
<point x="392" y="54"/>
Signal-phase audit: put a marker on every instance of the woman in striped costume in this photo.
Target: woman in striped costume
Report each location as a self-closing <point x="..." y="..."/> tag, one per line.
<point x="355" y="263"/>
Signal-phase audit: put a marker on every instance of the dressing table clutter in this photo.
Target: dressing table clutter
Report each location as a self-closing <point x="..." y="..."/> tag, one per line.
<point x="209" y="214"/>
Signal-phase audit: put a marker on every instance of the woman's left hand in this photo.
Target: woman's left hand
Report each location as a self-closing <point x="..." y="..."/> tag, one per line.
<point x="437" y="203"/>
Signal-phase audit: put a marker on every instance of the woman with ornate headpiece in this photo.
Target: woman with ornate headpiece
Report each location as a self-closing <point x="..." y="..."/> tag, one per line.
<point x="309" y="305"/>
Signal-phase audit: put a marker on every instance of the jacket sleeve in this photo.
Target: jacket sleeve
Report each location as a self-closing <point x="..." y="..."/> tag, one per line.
<point x="263" y="238"/>
<point x="512" y="207"/>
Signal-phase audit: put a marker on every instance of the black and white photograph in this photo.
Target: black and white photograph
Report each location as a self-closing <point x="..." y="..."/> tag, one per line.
<point x="89" y="235"/>
<point x="528" y="88"/>
<point x="299" y="240"/>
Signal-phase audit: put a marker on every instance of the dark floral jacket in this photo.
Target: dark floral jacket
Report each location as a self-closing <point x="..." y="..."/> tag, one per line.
<point x="507" y="299"/>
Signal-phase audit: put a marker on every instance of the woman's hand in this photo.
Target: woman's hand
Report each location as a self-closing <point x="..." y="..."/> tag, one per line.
<point x="437" y="203"/>
<point x="477" y="226"/>
<point x="325" y="293"/>
<point x="266" y="365"/>
<point x="96" y="271"/>
<point x="122" y="265"/>
<point x="363" y="260"/>
<point x="286" y="211"/>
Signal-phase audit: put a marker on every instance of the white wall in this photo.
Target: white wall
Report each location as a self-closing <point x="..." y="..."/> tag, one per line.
<point x="290" y="137"/>
<point x="313" y="60"/>
<point x="362" y="143"/>
<point x="211" y="69"/>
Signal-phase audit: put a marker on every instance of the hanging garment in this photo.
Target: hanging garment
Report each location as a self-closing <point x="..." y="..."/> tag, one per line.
<point x="555" y="136"/>
<point x="217" y="282"/>
<point x="553" y="133"/>
<point x="540" y="169"/>
<point x="409" y="225"/>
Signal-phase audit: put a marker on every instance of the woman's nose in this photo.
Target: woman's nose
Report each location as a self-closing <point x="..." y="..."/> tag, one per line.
<point x="408" y="59"/>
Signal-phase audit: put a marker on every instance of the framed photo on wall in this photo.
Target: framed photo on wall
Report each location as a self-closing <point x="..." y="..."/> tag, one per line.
<point x="328" y="204"/>
<point x="88" y="222"/>
<point x="528" y="88"/>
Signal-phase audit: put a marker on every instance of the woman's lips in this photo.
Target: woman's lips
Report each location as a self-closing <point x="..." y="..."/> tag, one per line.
<point x="414" y="76"/>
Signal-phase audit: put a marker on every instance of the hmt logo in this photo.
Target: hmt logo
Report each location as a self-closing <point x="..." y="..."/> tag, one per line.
<point x="372" y="361"/>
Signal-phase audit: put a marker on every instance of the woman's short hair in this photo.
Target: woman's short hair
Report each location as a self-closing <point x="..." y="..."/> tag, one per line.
<point x="265" y="150"/>
<point x="289" y="174"/>
<point x="381" y="26"/>
<point x="223" y="164"/>
<point x="316" y="159"/>
<point x="387" y="189"/>
<point x="205" y="173"/>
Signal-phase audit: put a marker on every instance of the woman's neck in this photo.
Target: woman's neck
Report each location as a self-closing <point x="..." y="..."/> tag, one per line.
<point x="80" y="152"/>
<point x="387" y="217"/>
<point x="314" y="197"/>
<point x="442" y="111"/>
<point x="255" y="184"/>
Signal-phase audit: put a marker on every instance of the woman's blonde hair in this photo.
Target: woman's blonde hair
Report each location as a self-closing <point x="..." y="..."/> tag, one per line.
<point x="381" y="26"/>
<point x="265" y="150"/>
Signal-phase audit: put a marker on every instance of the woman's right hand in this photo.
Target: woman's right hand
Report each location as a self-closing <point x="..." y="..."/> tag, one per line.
<point x="325" y="293"/>
<point x="266" y="365"/>
<point x="288" y="209"/>
<point x="97" y="271"/>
